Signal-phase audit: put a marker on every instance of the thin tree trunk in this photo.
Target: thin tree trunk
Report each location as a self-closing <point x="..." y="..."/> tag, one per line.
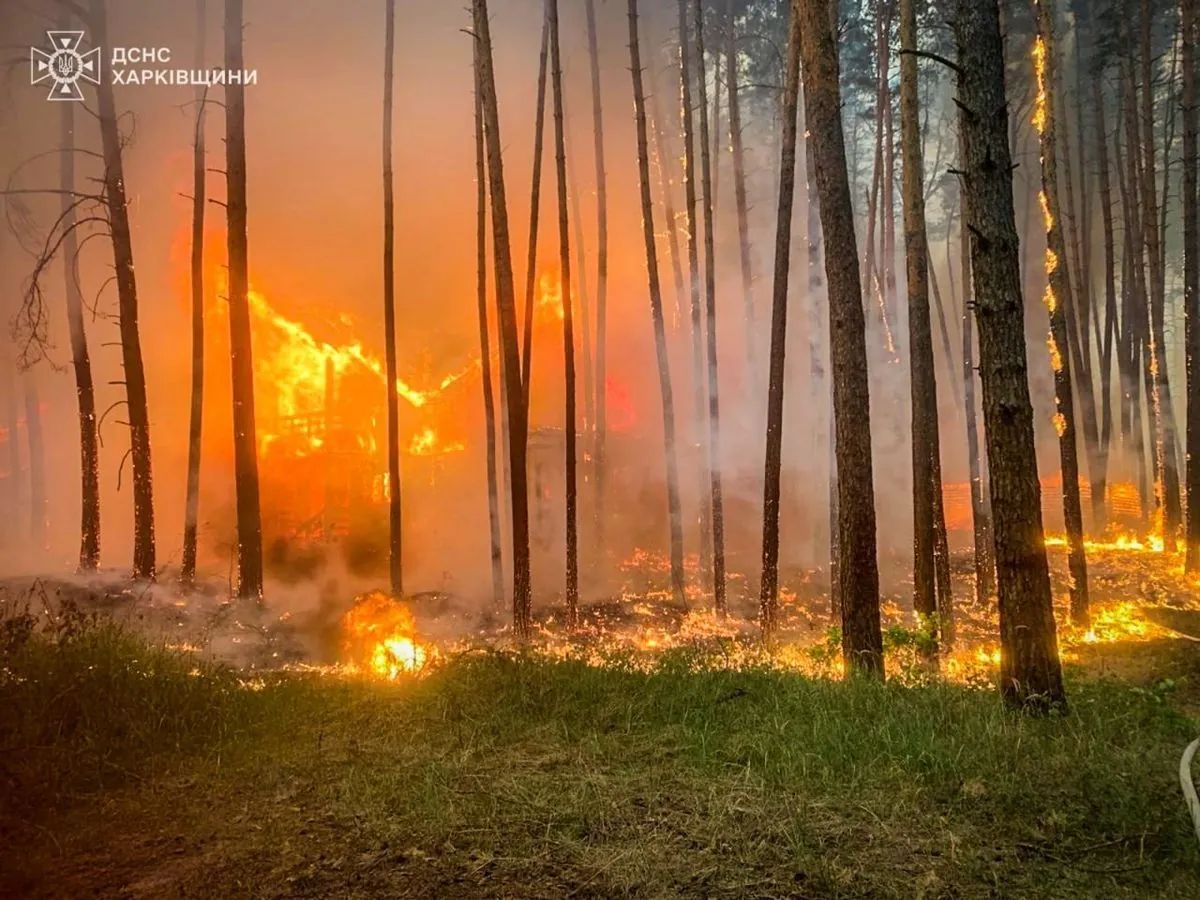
<point x="1030" y="670"/>
<point x="943" y="324"/>
<point x="888" y="232"/>
<point x="738" y="148"/>
<point x="710" y="306"/>
<point x="862" y="639"/>
<point x="564" y="261"/>
<point x="1058" y="300"/>
<point x="656" y="313"/>
<point x="1191" y="280"/>
<point x="127" y="303"/>
<point x="85" y="393"/>
<point x="922" y="374"/>
<point x="663" y="155"/>
<point x="37" y="463"/>
<point x="1100" y="477"/>
<point x="485" y="354"/>
<point x="585" y="306"/>
<point x="699" y="424"/>
<point x="601" y="422"/>
<point x="535" y="203"/>
<point x="509" y="346"/>
<point x="196" y="412"/>
<point x="395" y="543"/>
<point x="773" y="464"/>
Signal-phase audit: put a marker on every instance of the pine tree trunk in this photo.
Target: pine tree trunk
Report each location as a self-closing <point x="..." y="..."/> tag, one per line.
<point x="395" y="543"/>
<point x="699" y="370"/>
<point x="196" y="411"/>
<point x="564" y="261"/>
<point x="245" y="441"/>
<point x="1165" y="454"/>
<point x="710" y="307"/>
<point x="862" y="640"/>
<point x="656" y="313"/>
<point x="981" y="519"/>
<point x="585" y="306"/>
<point x="1058" y="300"/>
<point x="738" y="149"/>
<point x="510" y="349"/>
<point x="662" y="154"/>
<point x="535" y="203"/>
<point x="37" y="463"/>
<point x="1191" y="279"/>
<point x="127" y="306"/>
<point x="1100" y="477"/>
<point x="922" y="374"/>
<point x="773" y="464"/>
<point x="887" y="235"/>
<point x="601" y="421"/>
<point x="485" y="353"/>
<point x="1030" y="670"/>
<point x="85" y="393"/>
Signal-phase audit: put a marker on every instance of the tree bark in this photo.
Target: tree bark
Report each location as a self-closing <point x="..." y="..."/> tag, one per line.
<point x="510" y="350"/>
<point x="773" y="464"/>
<point x="564" y="254"/>
<point x="485" y="353"/>
<point x="1191" y="280"/>
<point x="601" y="423"/>
<point x="665" y="184"/>
<point x="862" y="639"/>
<point x="742" y="206"/>
<point x="1058" y="300"/>
<point x="1030" y="670"/>
<point x="656" y="313"/>
<point x="196" y="411"/>
<point x="923" y="376"/>
<point x="127" y="304"/>
<point x="535" y="204"/>
<point x="699" y="423"/>
<point x="395" y="532"/>
<point x="85" y="392"/>
<point x="1100" y="477"/>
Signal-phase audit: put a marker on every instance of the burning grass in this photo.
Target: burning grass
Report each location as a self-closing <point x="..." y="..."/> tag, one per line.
<point x="135" y="770"/>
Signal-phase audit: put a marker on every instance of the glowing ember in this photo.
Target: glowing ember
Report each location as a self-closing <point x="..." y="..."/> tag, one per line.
<point x="379" y="636"/>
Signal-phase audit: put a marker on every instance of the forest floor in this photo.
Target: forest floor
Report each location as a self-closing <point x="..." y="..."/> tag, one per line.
<point x="130" y="770"/>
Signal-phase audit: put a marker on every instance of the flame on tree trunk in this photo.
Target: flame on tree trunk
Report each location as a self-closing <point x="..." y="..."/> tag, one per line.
<point x="926" y="445"/>
<point x="509" y="347"/>
<point x="395" y="533"/>
<point x="1058" y="302"/>
<point x="196" y="410"/>
<point x="710" y="308"/>
<point x="858" y="568"/>
<point x="89" y="453"/>
<point x="127" y="306"/>
<point x="564" y="247"/>
<point x="601" y="402"/>
<point x="1191" y="280"/>
<point x="1030" y="671"/>
<point x="485" y="356"/>
<point x="768" y="603"/>
<point x="656" y="312"/>
<point x="245" y="441"/>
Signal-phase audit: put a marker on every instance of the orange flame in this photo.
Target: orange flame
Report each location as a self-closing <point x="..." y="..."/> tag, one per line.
<point x="380" y="637"/>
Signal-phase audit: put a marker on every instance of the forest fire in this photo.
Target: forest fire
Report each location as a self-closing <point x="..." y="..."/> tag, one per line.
<point x="379" y="637"/>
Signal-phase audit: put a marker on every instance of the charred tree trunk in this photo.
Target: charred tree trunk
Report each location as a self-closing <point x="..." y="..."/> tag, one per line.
<point x="699" y="424"/>
<point x="535" y="203"/>
<point x="85" y="392"/>
<point x="395" y="544"/>
<point x="1030" y="670"/>
<point x="127" y="303"/>
<point x="509" y="346"/>
<point x="1058" y="300"/>
<point x="862" y="639"/>
<point x="196" y="412"/>
<point x="922" y="374"/>
<point x="37" y="463"/>
<point x="710" y="308"/>
<point x="564" y="247"/>
<point x="743" y="210"/>
<point x="485" y="353"/>
<point x="1191" y="280"/>
<point x="773" y="464"/>
<point x="245" y="441"/>
<point x="601" y="422"/>
<point x="656" y="312"/>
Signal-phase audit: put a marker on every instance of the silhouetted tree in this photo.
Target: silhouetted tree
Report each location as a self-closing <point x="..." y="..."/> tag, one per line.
<point x="395" y="532"/>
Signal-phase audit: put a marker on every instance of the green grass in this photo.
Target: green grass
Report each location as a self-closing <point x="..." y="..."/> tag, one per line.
<point x="129" y="768"/>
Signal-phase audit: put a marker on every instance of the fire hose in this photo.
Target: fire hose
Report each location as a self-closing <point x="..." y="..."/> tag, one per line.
<point x="1189" y="788"/>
